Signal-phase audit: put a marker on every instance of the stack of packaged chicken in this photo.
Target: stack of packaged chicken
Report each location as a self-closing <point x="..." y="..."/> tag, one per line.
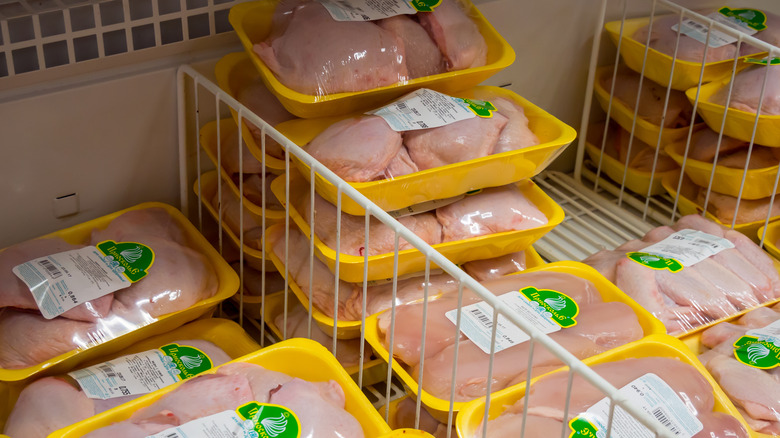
<point x="716" y="152"/>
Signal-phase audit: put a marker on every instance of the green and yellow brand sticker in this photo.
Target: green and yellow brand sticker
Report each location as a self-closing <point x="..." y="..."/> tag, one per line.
<point x="481" y="108"/>
<point x="562" y="308"/>
<point x="764" y="61"/>
<point x="271" y="420"/>
<point x="654" y="261"/>
<point x="131" y="259"/>
<point x="752" y="18"/>
<point x="190" y="361"/>
<point x="755" y="353"/>
<point x="582" y="428"/>
<point x="424" y="5"/>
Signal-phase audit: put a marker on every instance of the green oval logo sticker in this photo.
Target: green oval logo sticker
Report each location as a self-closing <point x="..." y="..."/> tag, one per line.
<point x="582" y="428"/>
<point x="130" y="259"/>
<point x="752" y="18"/>
<point x="424" y="5"/>
<point x="562" y="308"/>
<point x="481" y="108"/>
<point x="755" y="353"/>
<point x="270" y="420"/>
<point x="189" y="361"/>
<point x="654" y="261"/>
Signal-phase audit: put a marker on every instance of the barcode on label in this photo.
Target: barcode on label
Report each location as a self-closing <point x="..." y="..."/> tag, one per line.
<point x="173" y="435"/>
<point x="482" y="318"/>
<point x="49" y="266"/>
<point x="661" y="416"/>
<point x="421" y="124"/>
<point x="107" y="370"/>
<point x="703" y="242"/>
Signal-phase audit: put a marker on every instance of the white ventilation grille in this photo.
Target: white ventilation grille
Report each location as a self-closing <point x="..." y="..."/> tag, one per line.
<point x="44" y="34"/>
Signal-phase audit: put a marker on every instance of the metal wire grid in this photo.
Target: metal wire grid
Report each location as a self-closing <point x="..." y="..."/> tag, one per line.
<point x="658" y="208"/>
<point x="191" y="85"/>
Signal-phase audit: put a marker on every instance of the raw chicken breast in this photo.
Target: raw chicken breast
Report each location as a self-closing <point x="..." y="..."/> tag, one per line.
<point x="318" y="411"/>
<point x="229" y="151"/>
<point x="347" y="350"/>
<point x="262" y="102"/>
<point x="400" y="165"/>
<point x="327" y="64"/>
<point x="456" y="35"/>
<point x="704" y="145"/>
<point x="262" y="381"/>
<point x="493" y="210"/>
<point x="755" y="390"/>
<point x="15" y="293"/>
<point x="232" y="210"/>
<point x="423" y="57"/>
<point x="508" y="424"/>
<point x="642" y="156"/>
<point x="679" y="112"/>
<point x="147" y="221"/>
<point x="380" y="296"/>
<point x="746" y="90"/>
<point x="664" y="39"/>
<point x="358" y="148"/>
<point x="66" y="403"/>
<point x="460" y="141"/>
<point x="516" y="134"/>
<point x="406" y="414"/>
<point x="496" y="267"/>
<point x="760" y="158"/>
<point x="253" y="191"/>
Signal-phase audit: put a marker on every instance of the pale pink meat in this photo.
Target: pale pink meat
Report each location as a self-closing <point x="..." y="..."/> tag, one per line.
<point x="67" y="402"/>
<point x="746" y="91"/>
<point x="460" y="141"/>
<point x="508" y="424"/>
<point x="327" y="64"/>
<point x="724" y="207"/>
<point x="664" y="39"/>
<point x="229" y="154"/>
<point x="262" y="381"/>
<point x="253" y="191"/>
<point x="494" y="210"/>
<point x="358" y="148"/>
<point x="232" y="210"/>
<point x="153" y="221"/>
<point x="380" y="297"/>
<point x="753" y="389"/>
<point x="516" y="134"/>
<point x="400" y="165"/>
<point x="496" y="267"/>
<point x="423" y="57"/>
<point x="456" y="35"/>
<point x="704" y="145"/>
<point x="262" y="102"/>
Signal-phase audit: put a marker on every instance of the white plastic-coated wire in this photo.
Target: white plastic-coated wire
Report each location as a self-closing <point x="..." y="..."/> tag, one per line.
<point x="427" y="251"/>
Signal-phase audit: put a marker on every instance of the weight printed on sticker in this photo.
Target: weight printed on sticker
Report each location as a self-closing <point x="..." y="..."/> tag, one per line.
<point x="141" y="373"/>
<point x="424" y="108"/>
<point x="681" y="249"/>
<point x="368" y="10"/>
<point x="653" y="396"/>
<point x="748" y="21"/>
<point x="251" y="420"/>
<point x="62" y="281"/>
<point x="547" y="310"/>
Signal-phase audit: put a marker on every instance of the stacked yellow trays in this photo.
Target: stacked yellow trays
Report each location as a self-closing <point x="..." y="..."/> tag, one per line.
<point x="224" y="334"/>
<point x="107" y="342"/>
<point x="299" y="358"/>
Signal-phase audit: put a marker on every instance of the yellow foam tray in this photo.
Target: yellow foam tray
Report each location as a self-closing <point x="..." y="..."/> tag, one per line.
<point x="739" y="124"/>
<point x="350" y="329"/>
<point x="252" y="23"/>
<point x="637" y="181"/>
<point x="381" y="266"/>
<point x="693" y="342"/>
<point x="470" y="418"/>
<point x="687" y="204"/>
<point x="301" y="358"/>
<point x="659" y="65"/>
<point x="373" y="371"/>
<point x="772" y="237"/>
<point x="444" y="181"/>
<point x="208" y="183"/>
<point x="223" y="333"/>
<point x="80" y="233"/>
<point x="235" y="71"/>
<point x="758" y="182"/>
<point x="624" y="115"/>
<point x="439" y="408"/>
<point x="208" y="140"/>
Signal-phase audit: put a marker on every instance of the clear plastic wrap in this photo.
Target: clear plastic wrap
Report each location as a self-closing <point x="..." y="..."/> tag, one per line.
<point x="737" y="277"/>
<point x="186" y="274"/>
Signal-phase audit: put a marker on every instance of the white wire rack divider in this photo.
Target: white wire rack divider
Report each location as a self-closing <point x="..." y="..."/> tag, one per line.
<point x="192" y="83"/>
<point x="657" y="208"/>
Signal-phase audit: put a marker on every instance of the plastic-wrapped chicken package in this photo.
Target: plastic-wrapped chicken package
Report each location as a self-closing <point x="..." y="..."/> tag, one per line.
<point x="605" y="318"/>
<point x="489" y="223"/>
<point x="448" y="45"/>
<point x="692" y="273"/>
<point x="112" y="380"/>
<point x="403" y="414"/>
<point x="665" y="34"/>
<point x="741" y="354"/>
<point x="398" y="155"/>
<point x="744" y="103"/>
<point x="97" y="287"/>
<point x="295" y="386"/>
<point x="658" y="374"/>
<point x="239" y="78"/>
<point x="320" y="290"/>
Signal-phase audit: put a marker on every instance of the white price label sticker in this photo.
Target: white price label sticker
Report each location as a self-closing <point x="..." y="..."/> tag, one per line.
<point x="653" y="396"/>
<point x="62" y="281"/>
<point x="424" y="108"/>
<point x="770" y="333"/>
<point x="689" y="246"/>
<point x="477" y="322"/>
<point x="226" y="424"/>
<point x="366" y="10"/>
<point x="740" y="22"/>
